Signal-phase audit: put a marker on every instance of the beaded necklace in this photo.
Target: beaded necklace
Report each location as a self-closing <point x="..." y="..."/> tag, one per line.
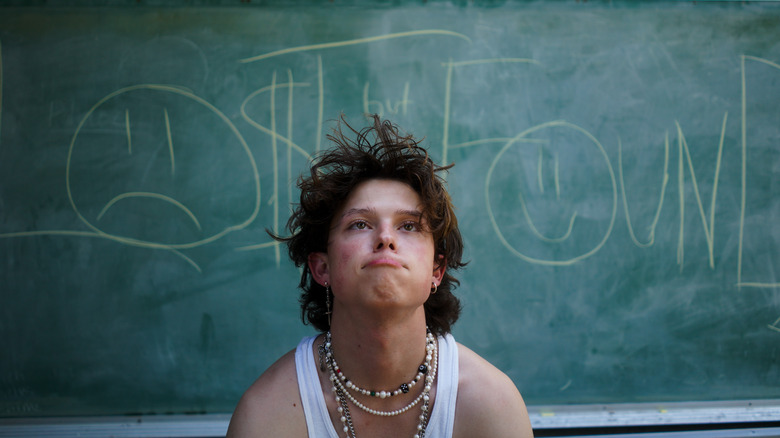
<point x="341" y="386"/>
<point x="404" y="388"/>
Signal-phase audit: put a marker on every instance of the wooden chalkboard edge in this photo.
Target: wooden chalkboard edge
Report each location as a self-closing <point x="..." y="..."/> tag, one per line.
<point x="755" y="415"/>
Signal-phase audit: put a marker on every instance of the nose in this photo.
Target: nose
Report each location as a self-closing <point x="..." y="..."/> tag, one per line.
<point x="385" y="238"/>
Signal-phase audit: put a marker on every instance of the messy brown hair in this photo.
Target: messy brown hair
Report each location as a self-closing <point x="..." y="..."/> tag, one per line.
<point x="380" y="151"/>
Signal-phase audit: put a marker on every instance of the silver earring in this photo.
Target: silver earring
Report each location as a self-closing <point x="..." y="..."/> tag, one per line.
<point x="327" y="302"/>
<point x="435" y="288"/>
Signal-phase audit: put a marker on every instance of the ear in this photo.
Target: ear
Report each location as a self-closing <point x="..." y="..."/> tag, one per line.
<point x="318" y="265"/>
<point x="438" y="269"/>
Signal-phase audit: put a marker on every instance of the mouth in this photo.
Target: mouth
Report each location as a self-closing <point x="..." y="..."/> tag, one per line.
<point x="387" y="262"/>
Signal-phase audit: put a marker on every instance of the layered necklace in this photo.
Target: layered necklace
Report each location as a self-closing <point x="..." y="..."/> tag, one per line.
<point x="342" y="387"/>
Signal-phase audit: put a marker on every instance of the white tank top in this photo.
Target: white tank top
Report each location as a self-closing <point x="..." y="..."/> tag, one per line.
<point x="317" y="418"/>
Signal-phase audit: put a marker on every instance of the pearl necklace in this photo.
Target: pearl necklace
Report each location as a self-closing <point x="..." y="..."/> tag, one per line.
<point x="342" y="394"/>
<point x="404" y="388"/>
<point x="423" y="395"/>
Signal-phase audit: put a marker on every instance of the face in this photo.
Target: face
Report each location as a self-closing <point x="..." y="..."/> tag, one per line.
<point x="380" y="252"/>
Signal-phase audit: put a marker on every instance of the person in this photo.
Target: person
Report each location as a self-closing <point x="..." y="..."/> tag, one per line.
<point x="378" y="241"/>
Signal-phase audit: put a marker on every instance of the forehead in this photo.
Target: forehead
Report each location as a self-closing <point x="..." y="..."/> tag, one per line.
<point x="377" y="193"/>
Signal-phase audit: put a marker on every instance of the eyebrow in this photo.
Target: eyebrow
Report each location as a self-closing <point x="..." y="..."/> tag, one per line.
<point x="362" y="211"/>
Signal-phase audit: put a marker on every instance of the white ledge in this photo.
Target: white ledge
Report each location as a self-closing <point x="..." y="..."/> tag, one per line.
<point x="654" y="414"/>
<point x="751" y="413"/>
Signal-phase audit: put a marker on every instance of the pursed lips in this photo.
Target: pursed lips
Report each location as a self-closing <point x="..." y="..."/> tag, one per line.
<point x="384" y="262"/>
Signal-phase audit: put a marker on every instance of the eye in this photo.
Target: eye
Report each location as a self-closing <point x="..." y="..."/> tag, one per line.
<point x="358" y="225"/>
<point x="410" y="226"/>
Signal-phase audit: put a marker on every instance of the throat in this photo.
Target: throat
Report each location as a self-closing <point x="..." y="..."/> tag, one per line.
<point x="378" y="356"/>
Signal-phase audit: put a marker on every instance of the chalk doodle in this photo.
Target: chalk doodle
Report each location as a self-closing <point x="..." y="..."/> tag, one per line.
<point x="549" y="173"/>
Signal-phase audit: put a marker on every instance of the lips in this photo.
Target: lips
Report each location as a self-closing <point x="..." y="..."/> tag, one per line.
<point x="384" y="261"/>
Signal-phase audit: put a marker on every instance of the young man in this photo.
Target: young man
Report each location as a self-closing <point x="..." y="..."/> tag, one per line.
<point x="377" y="237"/>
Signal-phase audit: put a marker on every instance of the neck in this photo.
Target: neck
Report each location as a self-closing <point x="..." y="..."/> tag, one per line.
<point x="379" y="355"/>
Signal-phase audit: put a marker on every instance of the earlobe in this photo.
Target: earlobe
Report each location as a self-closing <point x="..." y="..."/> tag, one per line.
<point x="438" y="270"/>
<point x="318" y="265"/>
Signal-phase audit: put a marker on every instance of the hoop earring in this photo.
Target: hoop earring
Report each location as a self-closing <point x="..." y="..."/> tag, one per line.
<point x="327" y="302"/>
<point x="435" y="288"/>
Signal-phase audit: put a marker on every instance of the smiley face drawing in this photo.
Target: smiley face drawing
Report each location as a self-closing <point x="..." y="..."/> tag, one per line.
<point x="157" y="166"/>
<point x="571" y="219"/>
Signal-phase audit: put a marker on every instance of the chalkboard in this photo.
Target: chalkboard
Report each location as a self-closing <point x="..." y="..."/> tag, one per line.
<point x="616" y="180"/>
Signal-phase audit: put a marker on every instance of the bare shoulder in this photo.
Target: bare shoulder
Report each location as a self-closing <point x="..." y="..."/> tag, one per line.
<point x="489" y="403"/>
<point x="272" y="405"/>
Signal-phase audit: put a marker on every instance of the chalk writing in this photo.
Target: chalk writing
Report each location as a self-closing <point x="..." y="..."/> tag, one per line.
<point x="167" y="199"/>
<point x="129" y="135"/>
<point x="401" y="105"/>
<point x="709" y="230"/>
<point x="497" y="228"/>
<point x="743" y="205"/>
<point x="774" y="326"/>
<point x="450" y="66"/>
<point x="150" y="244"/>
<point x="354" y="42"/>
<point x="664" y="182"/>
<point x="380" y="108"/>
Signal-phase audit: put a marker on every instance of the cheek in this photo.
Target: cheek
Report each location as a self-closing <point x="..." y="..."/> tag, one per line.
<point x="342" y="264"/>
<point x="346" y="256"/>
<point x="425" y="252"/>
<point x="348" y="252"/>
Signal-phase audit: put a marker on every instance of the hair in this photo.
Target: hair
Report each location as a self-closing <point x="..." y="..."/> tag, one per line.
<point x="376" y="152"/>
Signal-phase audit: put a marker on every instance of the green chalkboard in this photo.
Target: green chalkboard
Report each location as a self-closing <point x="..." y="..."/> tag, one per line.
<point x="616" y="178"/>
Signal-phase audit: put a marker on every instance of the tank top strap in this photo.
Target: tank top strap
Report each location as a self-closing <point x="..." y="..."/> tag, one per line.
<point x="317" y="418"/>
